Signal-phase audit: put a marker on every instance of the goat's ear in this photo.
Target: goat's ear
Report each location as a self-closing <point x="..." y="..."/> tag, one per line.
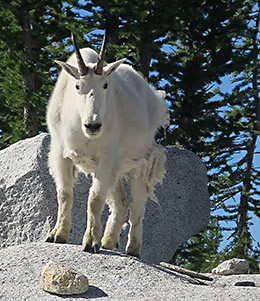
<point x="73" y="71"/>
<point x="112" y="67"/>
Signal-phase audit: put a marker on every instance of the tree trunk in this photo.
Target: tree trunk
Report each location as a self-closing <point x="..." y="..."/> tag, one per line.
<point x="256" y="70"/>
<point x="244" y="199"/>
<point x="30" y="76"/>
<point x="242" y="228"/>
<point x="112" y="29"/>
<point x="31" y="120"/>
<point x="145" y="59"/>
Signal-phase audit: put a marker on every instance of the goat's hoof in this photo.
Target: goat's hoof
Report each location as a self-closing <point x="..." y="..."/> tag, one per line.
<point x="96" y="248"/>
<point x="50" y="239"/>
<point x="137" y="255"/>
<point x="89" y="248"/>
<point x="56" y="239"/>
<point x="60" y="240"/>
<point x="109" y="246"/>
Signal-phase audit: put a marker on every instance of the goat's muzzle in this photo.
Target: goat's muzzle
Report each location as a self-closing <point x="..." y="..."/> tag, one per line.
<point x="93" y="128"/>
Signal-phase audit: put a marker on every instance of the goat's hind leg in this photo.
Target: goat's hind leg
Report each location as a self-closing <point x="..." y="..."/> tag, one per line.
<point x="137" y="209"/>
<point x="63" y="172"/>
<point x="98" y="193"/>
<point x="118" y="204"/>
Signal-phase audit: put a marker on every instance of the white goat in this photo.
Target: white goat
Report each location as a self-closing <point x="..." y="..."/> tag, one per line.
<point x="102" y="120"/>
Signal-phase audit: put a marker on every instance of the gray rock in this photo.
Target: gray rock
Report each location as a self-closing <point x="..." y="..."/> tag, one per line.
<point x="61" y="279"/>
<point x="233" y="266"/>
<point x="28" y="206"/>
<point x="112" y="276"/>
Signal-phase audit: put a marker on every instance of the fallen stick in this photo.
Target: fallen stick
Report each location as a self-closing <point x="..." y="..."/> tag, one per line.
<point x="185" y="271"/>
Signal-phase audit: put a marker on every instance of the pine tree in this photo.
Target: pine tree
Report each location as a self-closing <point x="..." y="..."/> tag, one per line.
<point x="218" y="126"/>
<point x="240" y="179"/>
<point x="33" y="34"/>
<point x="201" y="252"/>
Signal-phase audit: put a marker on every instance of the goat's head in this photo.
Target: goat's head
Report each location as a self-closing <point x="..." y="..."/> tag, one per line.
<point x="91" y="89"/>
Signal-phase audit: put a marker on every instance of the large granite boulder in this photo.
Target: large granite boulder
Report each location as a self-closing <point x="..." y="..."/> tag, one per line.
<point x="28" y="205"/>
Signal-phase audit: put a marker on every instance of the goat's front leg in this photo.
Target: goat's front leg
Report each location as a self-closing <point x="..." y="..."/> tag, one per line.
<point x="62" y="229"/>
<point x="104" y="180"/>
<point x="63" y="172"/>
<point x="92" y="237"/>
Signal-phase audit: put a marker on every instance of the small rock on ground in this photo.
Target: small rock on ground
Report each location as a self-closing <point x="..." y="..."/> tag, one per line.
<point x="62" y="280"/>
<point x="233" y="266"/>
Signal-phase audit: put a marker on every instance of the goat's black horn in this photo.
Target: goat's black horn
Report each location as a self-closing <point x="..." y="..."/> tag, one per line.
<point x="83" y="69"/>
<point x="101" y="56"/>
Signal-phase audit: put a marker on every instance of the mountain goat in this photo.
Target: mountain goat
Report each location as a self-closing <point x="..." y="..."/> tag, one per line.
<point x="102" y="119"/>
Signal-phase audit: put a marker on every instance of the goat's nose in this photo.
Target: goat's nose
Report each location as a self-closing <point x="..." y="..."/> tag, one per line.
<point x="93" y="127"/>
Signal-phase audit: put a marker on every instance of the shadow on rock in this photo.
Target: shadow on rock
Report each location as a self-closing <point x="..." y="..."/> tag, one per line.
<point x="92" y="293"/>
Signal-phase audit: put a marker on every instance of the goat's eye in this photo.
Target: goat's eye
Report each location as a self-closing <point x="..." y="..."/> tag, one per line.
<point x="105" y="86"/>
<point x="77" y="87"/>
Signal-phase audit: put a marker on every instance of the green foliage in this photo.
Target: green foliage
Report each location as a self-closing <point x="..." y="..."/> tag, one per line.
<point x="33" y="35"/>
<point x="227" y="127"/>
<point x="201" y="253"/>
